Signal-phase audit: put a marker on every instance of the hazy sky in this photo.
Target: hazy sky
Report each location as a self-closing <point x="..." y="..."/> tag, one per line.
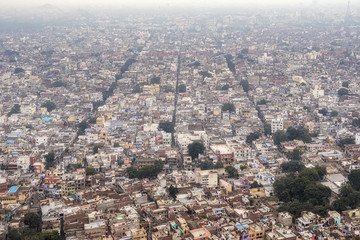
<point x="157" y="3"/>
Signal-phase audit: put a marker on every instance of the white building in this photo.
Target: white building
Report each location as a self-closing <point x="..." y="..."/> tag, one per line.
<point x="207" y="178"/>
<point x="277" y="124"/>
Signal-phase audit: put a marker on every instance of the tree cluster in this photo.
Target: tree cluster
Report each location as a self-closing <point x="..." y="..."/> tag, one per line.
<point x="182" y="88"/>
<point x="205" y="74"/>
<point x="155" y="80"/>
<point x="356" y="122"/>
<point x="228" y="107"/>
<point x="291" y="133"/>
<point x="195" y="149"/>
<point x="292" y="166"/>
<point x="81" y="127"/>
<point x="225" y="87"/>
<point x="301" y="192"/>
<point x="147" y="171"/>
<point x="252" y="137"/>
<point x="261" y="102"/>
<point x="49" y="106"/>
<point x="90" y="171"/>
<point x="97" y="104"/>
<point x="245" y="85"/>
<point x="14" y="110"/>
<point x="166" y="126"/>
<point x="126" y="65"/>
<point x="294" y="155"/>
<point x="231" y="171"/>
<point x="58" y="84"/>
<point x="18" y="70"/>
<point x="343" y="92"/>
<point x="346" y="141"/>
<point x="173" y="191"/>
<point x="50" y="160"/>
<point x="230" y="64"/>
<point x="207" y="165"/>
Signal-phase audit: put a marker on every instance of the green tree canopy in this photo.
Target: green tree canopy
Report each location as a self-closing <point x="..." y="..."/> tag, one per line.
<point x="292" y="166"/>
<point x="245" y="85"/>
<point x="346" y="141"/>
<point x="173" y="191"/>
<point x="166" y="126"/>
<point x="182" y="88"/>
<point x="155" y="80"/>
<point x="205" y="74"/>
<point x="50" y="160"/>
<point x="294" y="155"/>
<point x="33" y="220"/>
<point x="228" y="107"/>
<point x="195" y="149"/>
<point x="231" y="171"/>
<point x="342" y="92"/>
<point x="252" y="137"/>
<point x="49" y="106"/>
<point x="15" y="109"/>
<point x="354" y="179"/>
<point x="90" y="171"/>
<point x="225" y="87"/>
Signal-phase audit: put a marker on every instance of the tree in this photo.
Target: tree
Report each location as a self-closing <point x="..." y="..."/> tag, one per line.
<point x="33" y="220"/>
<point x="261" y="102"/>
<point x="267" y="129"/>
<point x="182" y="88"/>
<point x="195" y="149"/>
<point x="18" y="70"/>
<point x="231" y="171"/>
<point x="49" y="106"/>
<point x="345" y="84"/>
<point x="50" y="160"/>
<point x="321" y="170"/>
<point x="81" y="127"/>
<point x="252" y="137"/>
<point x="245" y="85"/>
<point x="14" y="110"/>
<point x="116" y="145"/>
<point x="356" y="122"/>
<point x="173" y="191"/>
<point x="90" y="171"/>
<point x="346" y="141"/>
<point x="218" y="165"/>
<point x="228" y="107"/>
<point x="166" y="126"/>
<point x="354" y="179"/>
<point x="310" y="173"/>
<point x="155" y="80"/>
<point x="334" y="113"/>
<point x="323" y="111"/>
<point x="294" y="155"/>
<point x="206" y="165"/>
<point x="205" y="74"/>
<point x="96" y="149"/>
<point x="132" y="172"/>
<point x="279" y="137"/>
<point x="225" y="87"/>
<point x="292" y="166"/>
<point x="13" y="234"/>
<point x="137" y="89"/>
<point x="58" y="84"/>
<point x="342" y="92"/>
<point x="255" y="184"/>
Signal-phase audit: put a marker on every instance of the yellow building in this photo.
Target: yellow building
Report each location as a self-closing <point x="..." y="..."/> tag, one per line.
<point x="140" y="234"/>
<point x="103" y="134"/>
<point x="100" y="121"/>
<point x="256" y="232"/>
<point x="151" y="89"/>
<point x="257" y="192"/>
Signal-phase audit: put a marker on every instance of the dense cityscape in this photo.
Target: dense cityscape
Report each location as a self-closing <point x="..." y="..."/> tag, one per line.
<point x="167" y="125"/>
